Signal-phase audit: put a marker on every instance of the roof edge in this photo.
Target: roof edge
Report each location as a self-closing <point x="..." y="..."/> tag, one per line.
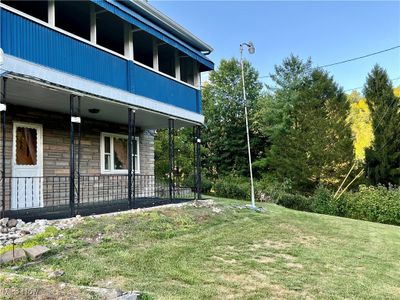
<point x="168" y="23"/>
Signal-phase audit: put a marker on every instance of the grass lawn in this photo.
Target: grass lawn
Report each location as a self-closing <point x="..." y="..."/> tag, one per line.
<point x="198" y="253"/>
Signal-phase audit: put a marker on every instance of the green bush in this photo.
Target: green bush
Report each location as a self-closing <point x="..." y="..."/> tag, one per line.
<point x="232" y="187"/>
<point x="206" y="184"/>
<point x="376" y="204"/>
<point x="322" y="201"/>
<point x="295" y="201"/>
<point x="269" y="189"/>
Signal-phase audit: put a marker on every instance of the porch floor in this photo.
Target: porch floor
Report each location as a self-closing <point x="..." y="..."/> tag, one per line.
<point x="85" y="209"/>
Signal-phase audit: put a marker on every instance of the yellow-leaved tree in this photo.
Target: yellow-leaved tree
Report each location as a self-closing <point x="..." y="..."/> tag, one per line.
<point x="360" y="124"/>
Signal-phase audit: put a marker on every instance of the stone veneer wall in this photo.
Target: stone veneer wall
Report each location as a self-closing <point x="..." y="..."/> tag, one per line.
<point x="56" y="144"/>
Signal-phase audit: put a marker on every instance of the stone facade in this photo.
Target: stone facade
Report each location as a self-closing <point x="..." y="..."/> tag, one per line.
<point x="56" y="143"/>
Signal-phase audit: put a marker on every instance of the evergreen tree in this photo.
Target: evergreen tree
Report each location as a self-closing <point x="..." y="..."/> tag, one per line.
<point x="306" y="121"/>
<point x="225" y="132"/>
<point x="383" y="157"/>
<point x="184" y="159"/>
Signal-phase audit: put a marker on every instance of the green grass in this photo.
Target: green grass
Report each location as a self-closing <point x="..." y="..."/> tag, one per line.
<point x="194" y="253"/>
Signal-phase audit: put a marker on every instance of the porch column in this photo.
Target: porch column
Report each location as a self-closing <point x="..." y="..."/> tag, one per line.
<point x="51" y="13"/>
<point x="3" y="145"/>
<point x="171" y="141"/>
<point x="194" y="163"/>
<point x="93" y="24"/>
<point x="131" y="153"/>
<point x="198" y="162"/>
<point x="75" y="124"/>
<point x="177" y="65"/>
<point x="155" y="55"/>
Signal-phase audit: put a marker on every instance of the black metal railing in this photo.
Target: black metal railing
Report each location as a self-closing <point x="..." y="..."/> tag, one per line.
<point x="49" y="196"/>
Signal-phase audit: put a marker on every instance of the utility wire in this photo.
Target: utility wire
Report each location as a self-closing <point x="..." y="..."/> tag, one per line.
<point x="359" y="57"/>
<point x="351" y="59"/>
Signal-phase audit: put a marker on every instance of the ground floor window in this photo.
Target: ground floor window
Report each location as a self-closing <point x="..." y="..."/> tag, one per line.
<point x="114" y="154"/>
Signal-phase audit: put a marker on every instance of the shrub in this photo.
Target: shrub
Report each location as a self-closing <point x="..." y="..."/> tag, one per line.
<point x="232" y="187"/>
<point x="269" y="189"/>
<point x="323" y="202"/>
<point x="295" y="201"/>
<point x="376" y="204"/>
<point x="206" y="184"/>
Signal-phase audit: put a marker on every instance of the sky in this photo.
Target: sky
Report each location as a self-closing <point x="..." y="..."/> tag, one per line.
<point x="326" y="31"/>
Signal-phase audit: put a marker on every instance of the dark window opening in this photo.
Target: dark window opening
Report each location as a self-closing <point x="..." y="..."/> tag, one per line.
<point x="110" y="32"/>
<point x="74" y="17"/>
<point x="37" y="9"/>
<point x="166" y="59"/>
<point x="143" y="48"/>
<point x="187" y="70"/>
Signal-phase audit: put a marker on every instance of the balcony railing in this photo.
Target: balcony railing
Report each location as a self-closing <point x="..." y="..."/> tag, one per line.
<point x="49" y="197"/>
<point x="38" y="43"/>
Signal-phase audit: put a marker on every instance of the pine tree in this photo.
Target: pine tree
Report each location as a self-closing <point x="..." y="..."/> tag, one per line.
<point x="307" y="123"/>
<point x="383" y="157"/>
<point x="225" y="134"/>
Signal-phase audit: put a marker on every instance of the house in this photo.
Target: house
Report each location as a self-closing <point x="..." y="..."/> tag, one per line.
<point x="84" y="85"/>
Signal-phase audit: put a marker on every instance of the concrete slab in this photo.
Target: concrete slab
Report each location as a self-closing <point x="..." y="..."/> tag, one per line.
<point x="9" y="256"/>
<point x="36" y="252"/>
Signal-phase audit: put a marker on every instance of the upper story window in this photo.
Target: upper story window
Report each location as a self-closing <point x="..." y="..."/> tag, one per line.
<point x="110" y="32"/>
<point x="37" y="9"/>
<point x="74" y="17"/>
<point x="143" y="47"/>
<point x="166" y="59"/>
<point x="187" y="69"/>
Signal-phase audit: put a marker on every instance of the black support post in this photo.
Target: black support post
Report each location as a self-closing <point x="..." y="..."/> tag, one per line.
<point x="74" y="124"/>
<point x="3" y="146"/>
<point x="171" y="141"/>
<point x="198" y="164"/>
<point x="194" y="163"/>
<point x="130" y="157"/>
<point x="78" y="124"/>
<point x="71" y="158"/>
<point x="133" y="143"/>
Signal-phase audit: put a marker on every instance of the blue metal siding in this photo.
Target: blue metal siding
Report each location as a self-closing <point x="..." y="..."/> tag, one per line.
<point x="152" y="85"/>
<point x="33" y="42"/>
<point x="135" y="19"/>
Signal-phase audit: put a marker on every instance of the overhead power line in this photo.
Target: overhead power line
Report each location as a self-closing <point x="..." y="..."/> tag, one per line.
<point x="351" y="59"/>
<point x="359" y="57"/>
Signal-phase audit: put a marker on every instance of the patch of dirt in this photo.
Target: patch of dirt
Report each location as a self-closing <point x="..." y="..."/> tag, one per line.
<point x="265" y="259"/>
<point x="30" y="289"/>
<point x="244" y="285"/>
<point x="285" y="256"/>
<point x="227" y="261"/>
<point x="268" y="244"/>
<point x="294" y="265"/>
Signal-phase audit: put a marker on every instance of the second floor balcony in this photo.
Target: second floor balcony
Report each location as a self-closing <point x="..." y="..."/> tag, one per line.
<point x="96" y="45"/>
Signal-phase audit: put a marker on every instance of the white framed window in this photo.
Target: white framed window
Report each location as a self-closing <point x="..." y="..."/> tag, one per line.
<point x="114" y="154"/>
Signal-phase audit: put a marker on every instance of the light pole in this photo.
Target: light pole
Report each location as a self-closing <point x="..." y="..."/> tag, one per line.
<point x="252" y="50"/>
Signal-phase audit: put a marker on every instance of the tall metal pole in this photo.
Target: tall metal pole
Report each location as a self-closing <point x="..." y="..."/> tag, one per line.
<point x="253" y="203"/>
<point x="3" y="146"/>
